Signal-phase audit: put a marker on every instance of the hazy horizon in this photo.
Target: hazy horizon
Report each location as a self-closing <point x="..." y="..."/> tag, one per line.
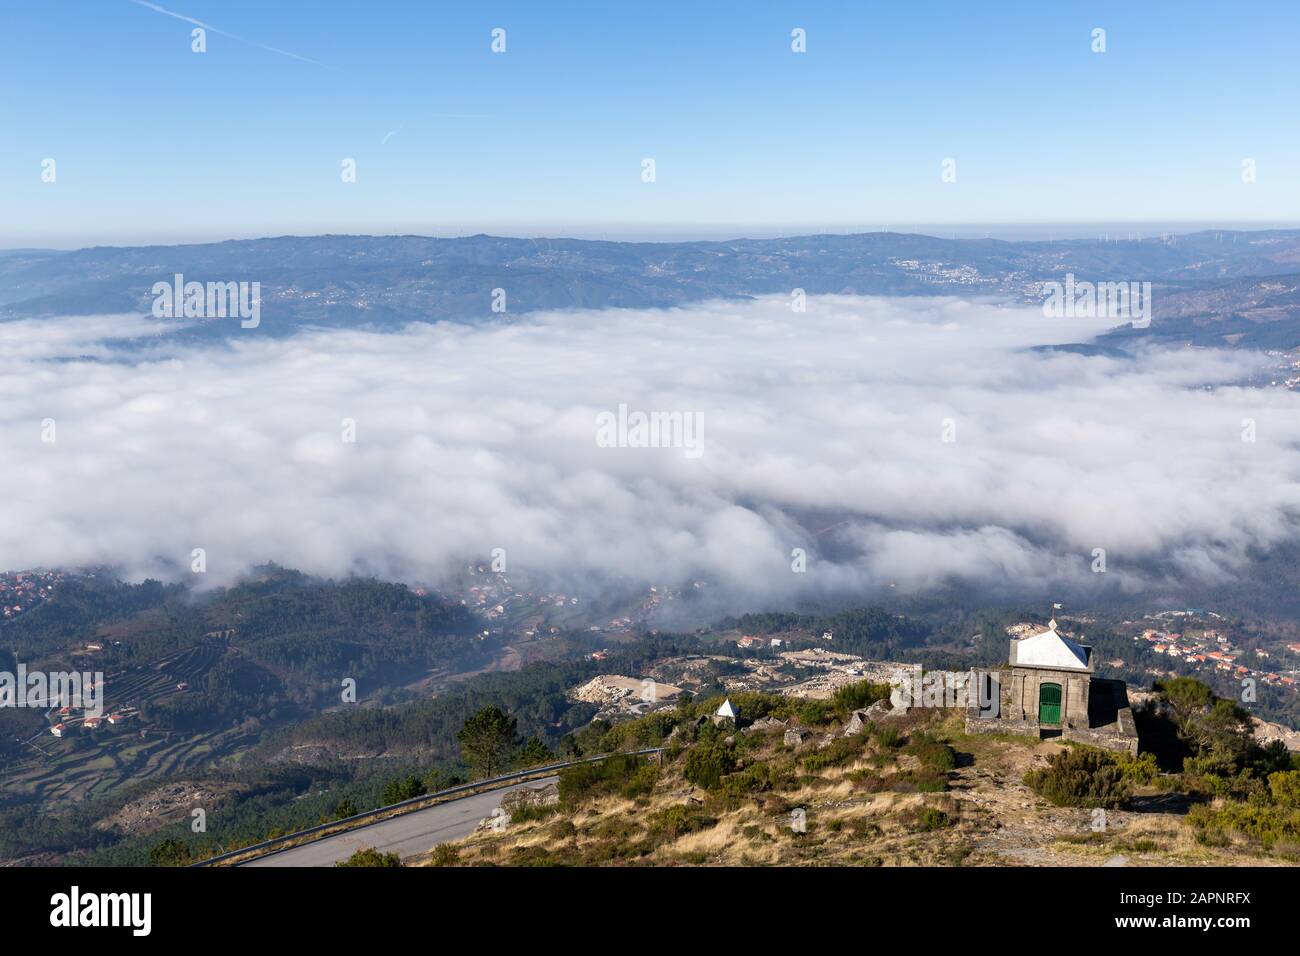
<point x="1006" y="231"/>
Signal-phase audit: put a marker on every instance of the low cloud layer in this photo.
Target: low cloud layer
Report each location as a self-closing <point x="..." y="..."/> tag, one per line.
<point x="822" y="431"/>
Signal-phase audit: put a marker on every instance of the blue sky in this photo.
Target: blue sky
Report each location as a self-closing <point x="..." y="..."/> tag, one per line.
<point x="156" y="143"/>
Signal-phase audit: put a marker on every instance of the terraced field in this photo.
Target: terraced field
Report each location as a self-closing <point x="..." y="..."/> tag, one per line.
<point x="94" y="763"/>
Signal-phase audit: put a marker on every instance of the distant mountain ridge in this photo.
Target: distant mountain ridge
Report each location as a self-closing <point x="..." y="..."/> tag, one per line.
<point x="1212" y="287"/>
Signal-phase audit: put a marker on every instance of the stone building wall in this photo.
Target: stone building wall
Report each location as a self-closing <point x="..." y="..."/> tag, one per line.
<point x="1107" y="739"/>
<point x="1024" y="695"/>
<point x="1019" y="709"/>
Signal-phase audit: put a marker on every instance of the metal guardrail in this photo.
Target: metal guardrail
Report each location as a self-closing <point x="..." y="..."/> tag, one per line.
<point x="360" y="820"/>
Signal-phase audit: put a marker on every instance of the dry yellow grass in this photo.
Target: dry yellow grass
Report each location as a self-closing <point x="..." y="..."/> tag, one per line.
<point x="989" y="818"/>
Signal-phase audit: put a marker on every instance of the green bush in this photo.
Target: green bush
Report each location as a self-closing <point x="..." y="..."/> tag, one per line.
<point x="647" y="731"/>
<point x="935" y="756"/>
<point x="1285" y="788"/>
<point x="1141" y="769"/>
<point x="1269" y="824"/>
<point x="706" y="764"/>
<point x="932" y="818"/>
<point x="623" y="774"/>
<point x="170" y="853"/>
<point x="531" y="812"/>
<point x="841" y="750"/>
<point x="889" y="737"/>
<point x="369" y="856"/>
<point x="675" y="821"/>
<point x="814" y="713"/>
<point x="856" y="696"/>
<point x="1081" y="777"/>
<point x="445" y="854"/>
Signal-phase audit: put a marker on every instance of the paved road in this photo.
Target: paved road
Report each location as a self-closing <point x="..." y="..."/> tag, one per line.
<point x="404" y="835"/>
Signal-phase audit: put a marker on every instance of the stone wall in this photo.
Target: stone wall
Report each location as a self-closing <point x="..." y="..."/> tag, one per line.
<point x="975" y="724"/>
<point x="1107" y="738"/>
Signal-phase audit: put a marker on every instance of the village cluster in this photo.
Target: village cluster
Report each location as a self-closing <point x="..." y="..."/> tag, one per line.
<point x="511" y="607"/>
<point x="1181" y="636"/>
<point x="70" y="718"/>
<point x="21" y="591"/>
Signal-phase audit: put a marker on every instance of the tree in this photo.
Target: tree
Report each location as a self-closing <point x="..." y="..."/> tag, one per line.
<point x="346" y="808"/>
<point x="1217" y="730"/>
<point x="487" y="740"/>
<point x="534" y="753"/>
<point x="398" y="790"/>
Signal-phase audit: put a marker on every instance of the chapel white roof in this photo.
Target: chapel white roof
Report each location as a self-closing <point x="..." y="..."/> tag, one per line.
<point x="1051" y="649"/>
<point x="726" y="710"/>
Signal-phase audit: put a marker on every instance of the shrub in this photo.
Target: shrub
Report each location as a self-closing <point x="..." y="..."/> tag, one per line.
<point x="1285" y="788"/>
<point x="647" y="731"/>
<point x="1269" y="824"/>
<point x="859" y="695"/>
<point x="1082" y="777"/>
<point x="932" y="818"/>
<point x="621" y="773"/>
<point x="926" y="782"/>
<point x="956" y="856"/>
<point x="815" y="712"/>
<point x="756" y="778"/>
<point x="839" y="751"/>
<point x="934" y="755"/>
<point x="369" y="856"/>
<point x="888" y="737"/>
<point x="706" y="764"/>
<point x="1141" y="769"/>
<point x="563" y="830"/>
<point x="869" y="781"/>
<point x="675" y="821"/>
<point x="170" y="853"/>
<point x="531" y="812"/>
<point x="445" y="854"/>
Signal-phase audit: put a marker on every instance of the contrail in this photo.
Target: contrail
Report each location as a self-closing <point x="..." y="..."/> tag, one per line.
<point x="207" y="26"/>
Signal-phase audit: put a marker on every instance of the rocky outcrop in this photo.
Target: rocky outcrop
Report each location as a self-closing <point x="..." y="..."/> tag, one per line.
<point x="1266" y="732"/>
<point x="795" y="737"/>
<point x="547" y="796"/>
<point x="764" y="724"/>
<point x="857" y="723"/>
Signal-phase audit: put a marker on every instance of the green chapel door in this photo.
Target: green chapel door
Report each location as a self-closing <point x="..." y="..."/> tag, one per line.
<point x="1049" y="703"/>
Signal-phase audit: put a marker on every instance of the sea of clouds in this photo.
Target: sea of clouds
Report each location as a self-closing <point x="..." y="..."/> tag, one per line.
<point x="822" y="430"/>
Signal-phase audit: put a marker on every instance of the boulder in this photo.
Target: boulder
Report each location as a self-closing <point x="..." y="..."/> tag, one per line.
<point x="877" y="710"/>
<point x="857" y="723"/>
<point x="547" y="796"/>
<point x="765" y="723"/>
<point x="498" y="821"/>
<point x="794" y="737"/>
